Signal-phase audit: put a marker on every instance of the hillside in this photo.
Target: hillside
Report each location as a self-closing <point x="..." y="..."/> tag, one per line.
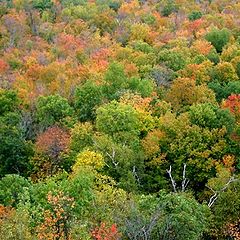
<point x="119" y="119"/>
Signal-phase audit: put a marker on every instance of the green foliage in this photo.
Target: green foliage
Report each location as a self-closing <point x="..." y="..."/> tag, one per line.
<point x="124" y="163"/>
<point x="195" y="146"/>
<point x="143" y="86"/>
<point x="173" y="59"/>
<point x="210" y="116"/>
<point x="222" y="91"/>
<point x="11" y="188"/>
<point x="14" y="151"/>
<point x="16" y="225"/>
<point x="195" y="15"/>
<point x="169" y="8"/>
<point x="116" y="117"/>
<point x="213" y="56"/>
<point x="142" y="46"/>
<point x="115" y="81"/>
<point x="168" y="217"/>
<point x="52" y="109"/>
<point x="226" y="208"/>
<point x="42" y="5"/>
<point x="68" y="3"/>
<point x="218" y="38"/>
<point x="9" y="101"/>
<point x="224" y="72"/>
<point x="87" y="98"/>
<point x="81" y="137"/>
<point x="113" y="93"/>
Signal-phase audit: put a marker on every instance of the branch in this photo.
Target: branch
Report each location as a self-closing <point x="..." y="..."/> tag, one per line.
<point x="184" y="181"/>
<point x="135" y="174"/>
<point x="172" y="180"/>
<point x="216" y="194"/>
<point x="112" y="157"/>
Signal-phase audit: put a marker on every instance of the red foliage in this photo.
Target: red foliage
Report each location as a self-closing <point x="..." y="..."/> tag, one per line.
<point x="53" y="141"/>
<point x="106" y="233"/>
<point x="195" y="26"/>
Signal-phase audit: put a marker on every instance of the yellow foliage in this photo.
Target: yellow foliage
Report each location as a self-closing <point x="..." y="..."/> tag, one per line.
<point x="88" y="158"/>
<point x="140" y="32"/>
<point x="198" y="72"/>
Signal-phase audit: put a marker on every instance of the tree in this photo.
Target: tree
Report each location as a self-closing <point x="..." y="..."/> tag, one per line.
<point x="199" y="148"/>
<point x="9" y="101"/>
<point x="210" y="116"/>
<point x="52" y="109"/>
<point x="184" y="92"/>
<point x="104" y="232"/>
<point x="115" y="81"/>
<point x="15" y="151"/>
<point x="115" y="118"/>
<point x="88" y="158"/>
<point x="169" y="8"/>
<point x="51" y="146"/>
<point x="42" y="5"/>
<point x="87" y="98"/>
<point x="173" y="59"/>
<point x="233" y="104"/>
<point x="226" y="208"/>
<point x="224" y="72"/>
<point x="195" y="15"/>
<point x="167" y="216"/>
<point x="11" y="188"/>
<point x="81" y="137"/>
<point x="58" y="218"/>
<point x="224" y="90"/>
<point x="123" y="162"/>
<point x="218" y="38"/>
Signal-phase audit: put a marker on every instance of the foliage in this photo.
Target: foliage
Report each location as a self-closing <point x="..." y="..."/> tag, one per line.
<point x="116" y="117"/>
<point x="88" y="158"/>
<point x="11" y="188"/>
<point x="52" y="109"/>
<point x="195" y="15"/>
<point x="108" y="106"/>
<point x="169" y="216"/>
<point x="9" y="101"/>
<point x="87" y="99"/>
<point x="218" y="38"/>
<point x="106" y="233"/>
<point x="15" y="151"/>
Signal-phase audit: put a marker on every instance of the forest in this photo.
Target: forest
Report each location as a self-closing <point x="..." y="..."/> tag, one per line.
<point x="119" y="119"/>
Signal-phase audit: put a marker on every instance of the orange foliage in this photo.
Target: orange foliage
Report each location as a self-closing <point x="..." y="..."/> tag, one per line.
<point x="229" y="161"/>
<point x="5" y="213"/>
<point x="3" y="66"/>
<point x="56" y="220"/>
<point x="106" y="233"/>
<point x="233" y="230"/>
<point x="202" y="47"/>
<point x="233" y="104"/>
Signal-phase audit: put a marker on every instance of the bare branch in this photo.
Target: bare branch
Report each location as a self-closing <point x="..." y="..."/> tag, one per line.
<point x="172" y="180"/>
<point x="184" y="181"/>
<point x="112" y="157"/>
<point x="135" y="174"/>
<point x="216" y="194"/>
